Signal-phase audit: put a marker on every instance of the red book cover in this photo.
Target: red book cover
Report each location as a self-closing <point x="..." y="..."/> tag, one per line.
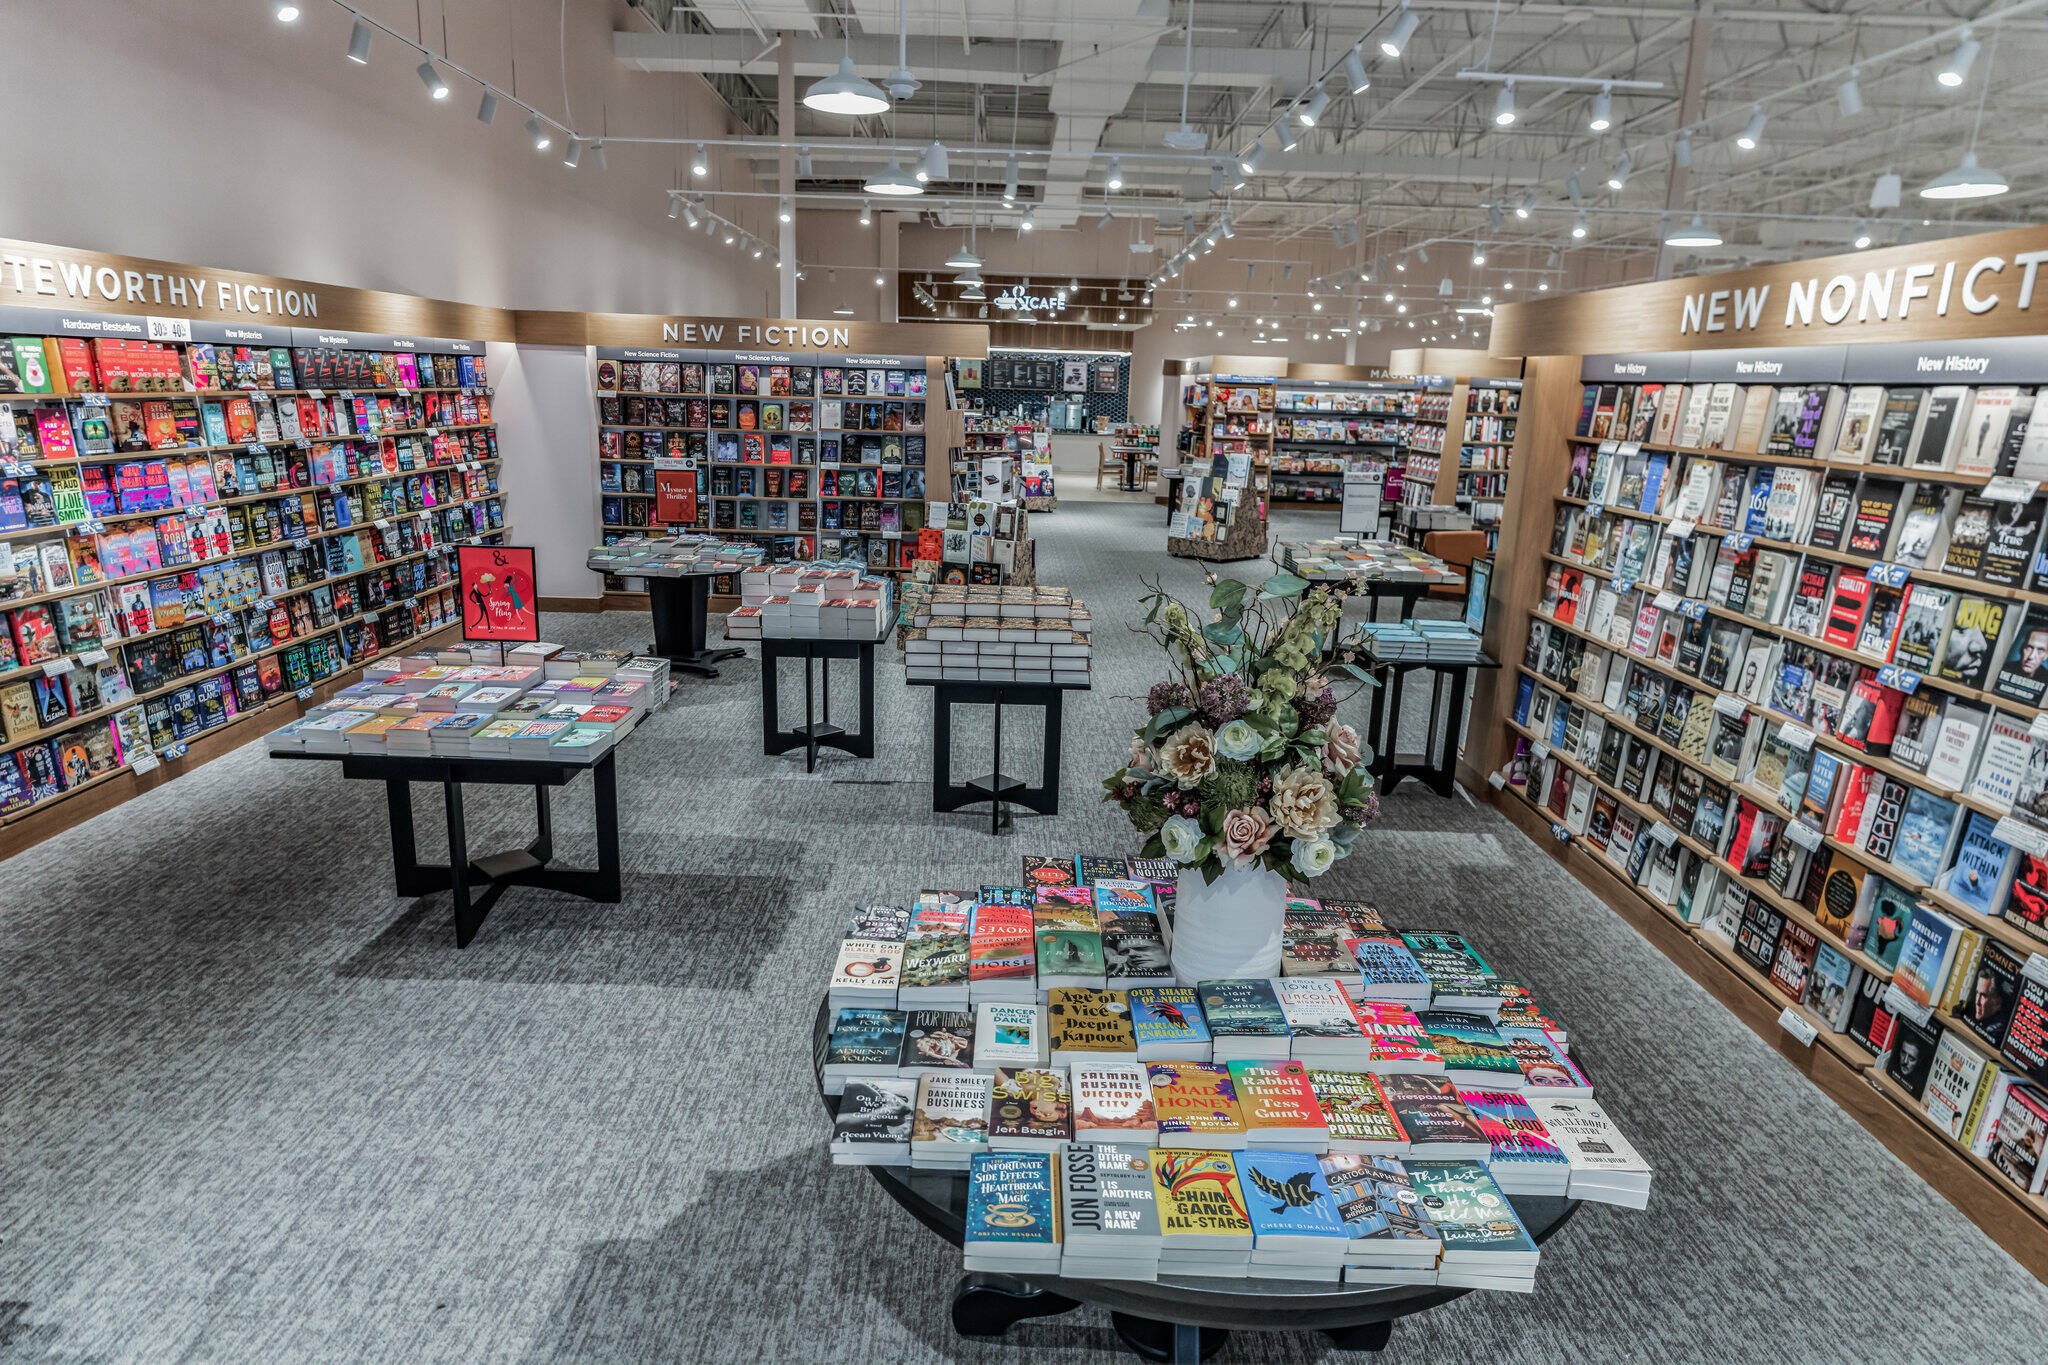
<point x="241" y="420"/>
<point x="1856" y="784"/>
<point x="1001" y="945"/>
<point x="1846" y="607"/>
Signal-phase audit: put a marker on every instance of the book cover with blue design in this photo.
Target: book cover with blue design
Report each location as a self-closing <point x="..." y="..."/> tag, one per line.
<point x="1524" y="1156"/>
<point x="1922" y="843"/>
<point x="1167" y="1014"/>
<point x="1472" y="1048"/>
<point x="1287" y="1198"/>
<point x="1010" y="1200"/>
<point x="1982" y="873"/>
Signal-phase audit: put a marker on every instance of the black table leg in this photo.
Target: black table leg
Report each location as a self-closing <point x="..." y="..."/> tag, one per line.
<point x="1178" y="1342"/>
<point x="1454" y="729"/>
<point x="412" y="879"/>
<point x="543" y="846"/>
<point x="989" y="1305"/>
<point x="466" y="921"/>
<point x="810" y="715"/>
<point x="995" y="805"/>
<point x="604" y="778"/>
<point x="771" y="703"/>
<point x="680" y="608"/>
<point x="1049" y="780"/>
<point x="942" y="749"/>
<point x="867" y="703"/>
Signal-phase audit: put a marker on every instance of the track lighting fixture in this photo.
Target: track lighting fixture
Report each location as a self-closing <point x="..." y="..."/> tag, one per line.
<point x="867" y="216"/>
<point x="487" y="107"/>
<point x="1603" y="110"/>
<point x="1958" y="69"/>
<point x="803" y="164"/>
<point x="1010" y="181"/>
<point x="1313" y="110"/>
<point x="1849" y="96"/>
<point x="675" y="208"/>
<point x="572" y="154"/>
<point x="430" y="77"/>
<point x="359" y="41"/>
<point x="597" y="162"/>
<point x="538" y="131"/>
<point x="1862" y="237"/>
<point x="1479" y="255"/>
<point x="1248" y="161"/>
<point x="1528" y="204"/>
<point x="1354" y="73"/>
<point x="700" y="164"/>
<point x="785" y="212"/>
<point x="1579" y="227"/>
<point x="1115" y="180"/>
<point x="1397" y="37"/>
<point x="1619" y="180"/>
<point x="1750" y="136"/>
<point x="1504" y="106"/>
<point x="1681" y="150"/>
<point x="1027" y="222"/>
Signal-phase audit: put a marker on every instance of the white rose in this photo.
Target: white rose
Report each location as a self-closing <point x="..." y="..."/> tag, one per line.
<point x="1238" y="740"/>
<point x="1312" y="857"/>
<point x="1181" y="836"/>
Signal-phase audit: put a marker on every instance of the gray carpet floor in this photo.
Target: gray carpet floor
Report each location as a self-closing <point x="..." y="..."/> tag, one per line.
<point x="255" y="1107"/>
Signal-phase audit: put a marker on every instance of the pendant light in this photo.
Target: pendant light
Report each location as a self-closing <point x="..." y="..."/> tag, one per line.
<point x="1504" y="106"/>
<point x="700" y="164"/>
<point x="430" y="76"/>
<point x="538" y="131"/>
<point x="963" y="259"/>
<point x="1695" y="233"/>
<point x="845" y="92"/>
<point x="1603" y="110"/>
<point x="1969" y="180"/>
<point x="893" y="181"/>
<point x="1619" y="180"/>
<point x="1313" y="110"/>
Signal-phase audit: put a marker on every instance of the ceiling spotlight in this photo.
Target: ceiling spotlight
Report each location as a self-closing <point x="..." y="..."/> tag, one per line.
<point x="845" y="91"/>
<point x="1116" y="173"/>
<point x="1493" y="216"/>
<point x="803" y="163"/>
<point x="1479" y="255"/>
<point x="487" y="107"/>
<point x="689" y="216"/>
<point x="1885" y="193"/>
<point x="1106" y="219"/>
<point x="1528" y="204"/>
<point x="1336" y="236"/>
<point x="1486" y="300"/>
<point x="1862" y="238"/>
<point x="1603" y="110"/>
<point x="572" y="154"/>
<point x="1444" y="287"/>
<point x="1573" y="190"/>
<point x="1507" y="284"/>
<point x="1543" y="286"/>
<point x="1967" y="181"/>
<point x="867" y="216"/>
<point x="893" y="181"/>
<point x="1248" y="161"/>
<point x="1958" y="69"/>
<point x="1579" y="227"/>
<point x="1010" y="181"/>
<point x="1230" y="302"/>
<point x="597" y="155"/>
<point x="1504" y="105"/>
<point x="1619" y="180"/>
<point x="880" y="281"/>
<point x="1849" y="96"/>
<point x="1749" y="137"/>
<point x="538" y="131"/>
<point x="1388" y="297"/>
<point x="1404" y="29"/>
<point x="1422" y="253"/>
<point x="785" y="212"/>
<point x="286" y="12"/>
<point x="430" y="77"/>
<point x="1695" y="233"/>
<point x="1401" y="264"/>
<point x="700" y="165"/>
<point x="729" y="238"/>
<point x="359" y="42"/>
<point x="1681" y="150"/>
<point x="1317" y="306"/>
<point x="758" y="249"/>
<point x="1284" y="131"/>
<point x="675" y="209"/>
<point x="1354" y="73"/>
<point x="1026" y="223"/>
<point x="1230" y="230"/>
<point x="1313" y="110"/>
<point x="1402" y="308"/>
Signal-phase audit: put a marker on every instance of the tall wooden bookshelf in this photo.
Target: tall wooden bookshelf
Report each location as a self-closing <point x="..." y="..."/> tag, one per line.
<point x="1551" y="614"/>
<point x="1233" y="449"/>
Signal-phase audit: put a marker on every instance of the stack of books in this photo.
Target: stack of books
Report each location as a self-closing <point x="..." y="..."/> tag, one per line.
<point x="532" y="701"/>
<point x="788" y="601"/>
<point x="678" y="556"/>
<point x="1339" y="559"/>
<point x="1292" y="1127"/>
<point x="1000" y="633"/>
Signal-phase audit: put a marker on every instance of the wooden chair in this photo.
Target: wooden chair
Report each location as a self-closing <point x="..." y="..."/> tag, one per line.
<point x="1106" y="463"/>
<point x="1457" y="549"/>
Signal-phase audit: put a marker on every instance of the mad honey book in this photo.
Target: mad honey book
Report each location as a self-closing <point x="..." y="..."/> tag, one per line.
<point x="1010" y="1199"/>
<point x="1196" y="1103"/>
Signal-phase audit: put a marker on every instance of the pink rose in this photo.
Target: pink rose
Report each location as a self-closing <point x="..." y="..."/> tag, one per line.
<point x="1340" y="752"/>
<point x="1141" y="755"/>
<point x="1246" y="834"/>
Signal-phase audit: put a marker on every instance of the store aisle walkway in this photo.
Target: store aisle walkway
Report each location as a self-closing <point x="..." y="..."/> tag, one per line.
<point x="267" y="1112"/>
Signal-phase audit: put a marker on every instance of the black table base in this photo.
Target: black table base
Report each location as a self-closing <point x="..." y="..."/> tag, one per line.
<point x="997" y="788"/>
<point x="1436" y="767"/>
<point x="477" y="883"/>
<point x="817" y="729"/>
<point x="681" y="609"/>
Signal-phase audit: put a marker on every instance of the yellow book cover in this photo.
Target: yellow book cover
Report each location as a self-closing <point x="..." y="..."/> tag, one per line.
<point x="1199" y="1198"/>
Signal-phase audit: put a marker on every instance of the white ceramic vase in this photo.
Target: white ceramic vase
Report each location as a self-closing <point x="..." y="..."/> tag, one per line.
<point x="1229" y="927"/>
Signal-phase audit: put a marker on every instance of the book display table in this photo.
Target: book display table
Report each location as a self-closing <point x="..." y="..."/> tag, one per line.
<point x="996" y="787"/>
<point x="678" y="575"/>
<point x="1174" y="1318"/>
<point x="817" y="728"/>
<point x="1371" y="570"/>
<point x="1436" y="766"/>
<point x="478" y="882"/>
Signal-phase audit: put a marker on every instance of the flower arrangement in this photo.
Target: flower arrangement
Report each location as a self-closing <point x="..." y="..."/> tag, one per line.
<point x="1243" y="760"/>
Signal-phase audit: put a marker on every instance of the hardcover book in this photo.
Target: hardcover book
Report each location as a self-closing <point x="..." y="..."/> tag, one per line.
<point x="1196" y="1105"/>
<point x="1031" y="1110"/>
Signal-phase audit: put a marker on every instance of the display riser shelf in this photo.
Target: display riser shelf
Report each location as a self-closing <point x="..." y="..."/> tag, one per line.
<point x="2016" y="1221"/>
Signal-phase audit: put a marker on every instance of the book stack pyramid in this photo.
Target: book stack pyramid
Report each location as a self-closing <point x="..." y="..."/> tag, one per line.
<point x="810" y="602"/>
<point x="1299" y="1127"/>
<point x="1000" y="633"/>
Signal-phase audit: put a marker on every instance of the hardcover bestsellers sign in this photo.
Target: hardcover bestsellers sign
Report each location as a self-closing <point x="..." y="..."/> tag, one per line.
<point x="500" y="596"/>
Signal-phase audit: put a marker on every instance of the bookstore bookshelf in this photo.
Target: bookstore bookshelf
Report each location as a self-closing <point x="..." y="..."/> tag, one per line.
<point x="1777" y="627"/>
<point x="207" y="526"/>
